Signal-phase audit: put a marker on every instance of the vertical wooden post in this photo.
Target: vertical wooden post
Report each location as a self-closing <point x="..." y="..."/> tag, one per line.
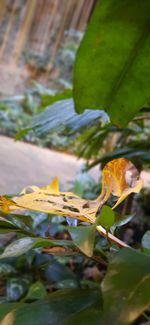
<point x="24" y="29"/>
<point x="9" y="26"/>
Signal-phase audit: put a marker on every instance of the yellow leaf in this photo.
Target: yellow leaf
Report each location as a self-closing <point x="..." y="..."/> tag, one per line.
<point x="53" y="187"/>
<point x="120" y="178"/>
<point x="6" y="205"/>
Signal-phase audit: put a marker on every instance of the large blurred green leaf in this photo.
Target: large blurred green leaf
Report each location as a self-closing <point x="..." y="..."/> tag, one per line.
<point x="112" y="69"/>
<point x="126" y="287"/>
<point x="56" y="310"/>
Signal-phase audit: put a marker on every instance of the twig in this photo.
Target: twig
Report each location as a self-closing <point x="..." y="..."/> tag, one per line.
<point x="108" y="235"/>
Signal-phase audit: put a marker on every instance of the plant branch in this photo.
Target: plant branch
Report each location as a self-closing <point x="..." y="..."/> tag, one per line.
<point x="111" y="237"/>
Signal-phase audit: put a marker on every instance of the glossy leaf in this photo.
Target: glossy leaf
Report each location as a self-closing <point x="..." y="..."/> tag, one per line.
<point x="113" y="60"/>
<point x="126" y="287"/>
<point x="54" y="310"/>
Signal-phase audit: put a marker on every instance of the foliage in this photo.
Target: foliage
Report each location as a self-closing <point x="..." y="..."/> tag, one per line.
<point x="82" y="304"/>
<point x="118" y="63"/>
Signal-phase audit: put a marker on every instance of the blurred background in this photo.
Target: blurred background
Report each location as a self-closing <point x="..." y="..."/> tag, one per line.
<point x="41" y="136"/>
<point x="38" y="44"/>
<point x="38" y="41"/>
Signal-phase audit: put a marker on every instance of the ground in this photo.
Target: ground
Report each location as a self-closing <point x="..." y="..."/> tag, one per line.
<point x="23" y="164"/>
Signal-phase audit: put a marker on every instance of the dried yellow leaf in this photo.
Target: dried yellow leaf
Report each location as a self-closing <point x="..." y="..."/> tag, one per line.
<point x="119" y="177"/>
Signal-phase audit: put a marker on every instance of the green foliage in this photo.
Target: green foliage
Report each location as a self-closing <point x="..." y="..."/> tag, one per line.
<point x="71" y="304"/>
<point x="112" y="64"/>
<point x="126" y="287"/>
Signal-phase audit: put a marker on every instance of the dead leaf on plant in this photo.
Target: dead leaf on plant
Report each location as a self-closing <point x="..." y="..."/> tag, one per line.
<point x="119" y="177"/>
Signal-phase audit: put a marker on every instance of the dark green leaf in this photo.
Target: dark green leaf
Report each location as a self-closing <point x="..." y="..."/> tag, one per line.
<point x="113" y="60"/>
<point x="84" y="238"/>
<point x="106" y="217"/>
<point x="126" y="287"/>
<point x="55" y="310"/>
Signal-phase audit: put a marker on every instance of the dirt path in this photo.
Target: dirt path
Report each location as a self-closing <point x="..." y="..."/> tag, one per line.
<point x="23" y="164"/>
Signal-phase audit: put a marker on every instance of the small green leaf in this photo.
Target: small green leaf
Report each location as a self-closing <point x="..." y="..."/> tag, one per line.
<point x="106" y="217"/>
<point x="84" y="238"/>
<point x="146" y="242"/>
<point x="36" y="291"/>
<point x="126" y="287"/>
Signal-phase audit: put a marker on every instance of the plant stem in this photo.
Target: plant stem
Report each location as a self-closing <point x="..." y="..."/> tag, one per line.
<point x="112" y="238"/>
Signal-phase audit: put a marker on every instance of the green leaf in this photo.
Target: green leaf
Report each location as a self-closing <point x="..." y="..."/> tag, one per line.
<point x="23" y="245"/>
<point x="50" y="99"/>
<point x="56" y="309"/>
<point x="6" y="270"/>
<point x="126" y="287"/>
<point x="146" y="242"/>
<point x="113" y="61"/>
<point x="106" y="217"/>
<point x="36" y="291"/>
<point x="84" y="238"/>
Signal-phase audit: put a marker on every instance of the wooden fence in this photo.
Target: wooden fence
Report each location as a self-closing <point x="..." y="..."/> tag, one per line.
<point x="35" y="28"/>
